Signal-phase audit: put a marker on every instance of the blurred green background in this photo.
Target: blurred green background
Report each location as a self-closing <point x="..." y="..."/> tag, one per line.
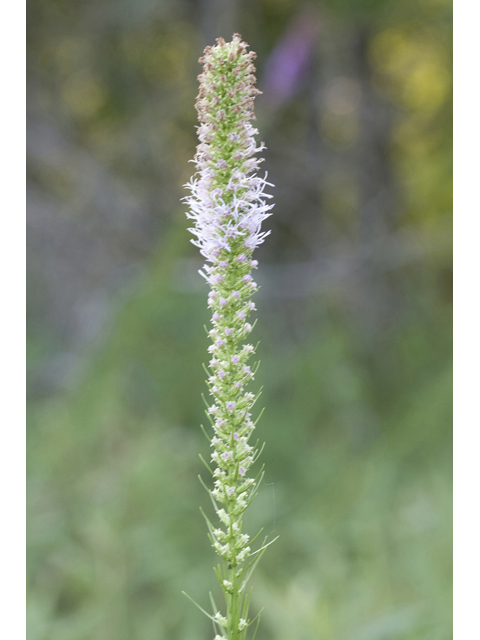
<point x="354" y="319"/>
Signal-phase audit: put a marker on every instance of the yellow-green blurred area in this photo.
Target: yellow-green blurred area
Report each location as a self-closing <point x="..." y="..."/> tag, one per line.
<point x="354" y="320"/>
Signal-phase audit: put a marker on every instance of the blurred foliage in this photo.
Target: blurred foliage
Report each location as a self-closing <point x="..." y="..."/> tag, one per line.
<point x="356" y="369"/>
<point x="357" y="485"/>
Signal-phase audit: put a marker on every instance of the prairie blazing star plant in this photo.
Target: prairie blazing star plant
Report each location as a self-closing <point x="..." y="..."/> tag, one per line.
<point x="227" y="205"/>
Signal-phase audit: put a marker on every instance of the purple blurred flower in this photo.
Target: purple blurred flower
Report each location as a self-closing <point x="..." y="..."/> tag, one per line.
<point x="287" y="66"/>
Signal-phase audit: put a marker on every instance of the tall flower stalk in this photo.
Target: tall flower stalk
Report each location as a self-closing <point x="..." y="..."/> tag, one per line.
<point x="228" y="205"/>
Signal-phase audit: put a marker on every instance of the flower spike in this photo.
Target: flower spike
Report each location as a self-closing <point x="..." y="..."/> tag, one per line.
<point x="227" y="206"/>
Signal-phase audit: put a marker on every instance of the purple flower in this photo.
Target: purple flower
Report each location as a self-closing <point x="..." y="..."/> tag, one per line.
<point x="287" y="67"/>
